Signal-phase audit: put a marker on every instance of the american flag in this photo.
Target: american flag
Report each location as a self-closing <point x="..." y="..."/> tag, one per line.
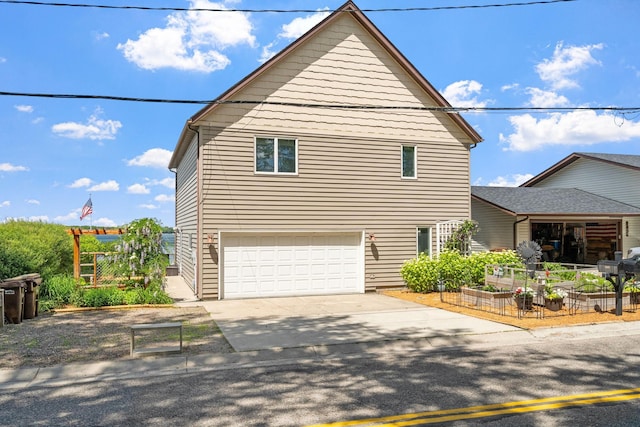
<point x="87" y="209"/>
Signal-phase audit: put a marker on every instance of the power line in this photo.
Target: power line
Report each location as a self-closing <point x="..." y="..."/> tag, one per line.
<point x="186" y="9"/>
<point x="452" y="109"/>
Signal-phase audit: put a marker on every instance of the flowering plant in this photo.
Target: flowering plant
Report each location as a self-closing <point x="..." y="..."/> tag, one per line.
<point x="554" y="293"/>
<point x="524" y="293"/>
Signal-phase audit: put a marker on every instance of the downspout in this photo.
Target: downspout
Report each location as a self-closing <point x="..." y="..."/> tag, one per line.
<point x="196" y="267"/>
<point x="515" y="227"/>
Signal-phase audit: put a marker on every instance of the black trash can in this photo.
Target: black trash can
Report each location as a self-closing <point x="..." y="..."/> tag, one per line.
<point x="13" y="300"/>
<point x="31" y="283"/>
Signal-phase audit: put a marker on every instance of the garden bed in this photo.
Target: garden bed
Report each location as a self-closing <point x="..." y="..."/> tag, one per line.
<point x="482" y="298"/>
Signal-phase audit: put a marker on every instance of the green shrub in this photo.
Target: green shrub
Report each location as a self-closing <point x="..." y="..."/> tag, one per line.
<point x="422" y="274"/>
<point x="101" y="297"/>
<point x="34" y="247"/>
<point x="559" y="270"/>
<point x="58" y="291"/>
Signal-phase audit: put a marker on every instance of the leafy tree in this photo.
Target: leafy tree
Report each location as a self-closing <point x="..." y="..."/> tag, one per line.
<point x="140" y="250"/>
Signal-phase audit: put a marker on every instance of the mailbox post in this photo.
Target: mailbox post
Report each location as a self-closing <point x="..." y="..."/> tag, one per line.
<point x="617" y="272"/>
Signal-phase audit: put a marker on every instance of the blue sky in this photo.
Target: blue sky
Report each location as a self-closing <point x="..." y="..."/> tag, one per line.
<point x="54" y="153"/>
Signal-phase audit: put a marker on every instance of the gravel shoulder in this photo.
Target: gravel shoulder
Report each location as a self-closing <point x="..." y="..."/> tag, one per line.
<point x="97" y="335"/>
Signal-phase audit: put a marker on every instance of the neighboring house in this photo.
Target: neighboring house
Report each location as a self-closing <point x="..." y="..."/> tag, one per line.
<point x="287" y="186"/>
<point x="582" y="209"/>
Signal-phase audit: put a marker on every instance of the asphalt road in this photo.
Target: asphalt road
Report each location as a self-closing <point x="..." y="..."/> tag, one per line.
<point x="360" y="386"/>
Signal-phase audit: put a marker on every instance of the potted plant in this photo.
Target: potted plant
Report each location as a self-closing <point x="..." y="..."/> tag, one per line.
<point x="554" y="297"/>
<point x="524" y="297"/>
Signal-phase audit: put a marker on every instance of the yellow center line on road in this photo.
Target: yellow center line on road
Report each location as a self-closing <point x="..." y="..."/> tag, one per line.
<point x="518" y="407"/>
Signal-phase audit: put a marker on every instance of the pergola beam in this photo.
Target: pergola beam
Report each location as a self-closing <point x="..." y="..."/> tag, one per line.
<point x="76" y="233"/>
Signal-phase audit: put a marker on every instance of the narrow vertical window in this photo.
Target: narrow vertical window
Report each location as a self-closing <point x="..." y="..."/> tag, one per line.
<point x="265" y="155"/>
<point x="423" y="239"/>
<point x="409" y="161"/>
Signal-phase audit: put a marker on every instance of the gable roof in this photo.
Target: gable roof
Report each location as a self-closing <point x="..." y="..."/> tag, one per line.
<point x="630" y="161"/>
<point x="550" y="201"/>
<point x="349" y="7"/>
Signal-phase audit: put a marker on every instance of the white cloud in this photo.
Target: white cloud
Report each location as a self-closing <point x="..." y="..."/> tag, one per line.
<point x="38" y="218"/>
<point x="81" y="182"/>
<point x="24" y="108"/>
<point x="154" y="157"/>
<point x="267" y="52"/>
<point x="138" y="189"/>
<point x="95" y="128"/>
<point x="294" y="29"/>
<point x="581" y="127"/>
<point x="5" y="204"/>
<point x="511" y="86"/>
<point x="2" y="60"/>
<point x="148" y="206"/>
<point x="74" y="215"/>
<point x="191" y="40"/>
<point x="566" y="62"/>
<point x="110" y="185"/>
<point x="463" y="94"/>
<point x="163" y="198"/>
<point x="104" y="222"/>
<point x="299" y="26"/>
<point x="8" y="167"/>
<point x="33" y="202"/>
<point x="546" y="99"/>
<point x="510" y="180"/>
<point x="165" y="182"/>
<point x="101" y="36"/>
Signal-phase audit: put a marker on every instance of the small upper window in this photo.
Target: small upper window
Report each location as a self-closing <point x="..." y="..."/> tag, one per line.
<point x="276" y="155"/>
<point x="409" y="161"/>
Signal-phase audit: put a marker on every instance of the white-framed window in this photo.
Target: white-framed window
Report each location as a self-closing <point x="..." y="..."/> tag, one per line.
<point x="276" y="155"/>
<point x="423" y="240"/>
<point x="409" y="161"/>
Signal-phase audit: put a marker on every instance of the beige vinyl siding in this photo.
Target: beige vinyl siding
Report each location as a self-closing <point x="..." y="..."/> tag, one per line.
<point x="341" y="65"/>
<point x="631" y="240"/>
<point x="497" y="228"/>
<point x="343" y="184"/>
<point x="604" y="179"/>
<point x="523" y="230"/>
<point x="186" y="212"/>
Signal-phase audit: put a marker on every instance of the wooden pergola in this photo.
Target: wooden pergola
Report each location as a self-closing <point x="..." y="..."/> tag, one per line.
<point x="76" y="233"/>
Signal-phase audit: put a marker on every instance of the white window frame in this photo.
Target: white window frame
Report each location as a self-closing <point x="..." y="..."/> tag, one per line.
<point x="275" y="155"/>
<point x="415" y="161"/>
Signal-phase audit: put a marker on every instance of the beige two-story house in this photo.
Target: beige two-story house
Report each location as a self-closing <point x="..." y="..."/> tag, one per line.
<point x="319" y="173"/>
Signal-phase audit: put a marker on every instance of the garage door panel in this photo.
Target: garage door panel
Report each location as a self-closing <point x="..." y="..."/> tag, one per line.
<point x="286" y="265"/>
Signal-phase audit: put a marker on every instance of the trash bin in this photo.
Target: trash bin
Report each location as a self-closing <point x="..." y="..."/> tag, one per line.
<point x="31" y="283"/>
<point x="13" y="300"/>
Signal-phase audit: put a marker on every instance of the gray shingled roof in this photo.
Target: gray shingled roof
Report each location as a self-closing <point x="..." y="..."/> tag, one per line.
<point x="623" y="159"/>
<point x="532" y="200"/>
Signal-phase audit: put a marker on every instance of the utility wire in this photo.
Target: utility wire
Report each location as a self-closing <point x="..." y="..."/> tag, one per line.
<point x="452" y="109"/>
<point x="186" y="9"/>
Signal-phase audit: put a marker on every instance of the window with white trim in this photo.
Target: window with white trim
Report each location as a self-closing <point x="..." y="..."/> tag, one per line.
<point x="409" y="161"/>
<point x="276" y="155"/>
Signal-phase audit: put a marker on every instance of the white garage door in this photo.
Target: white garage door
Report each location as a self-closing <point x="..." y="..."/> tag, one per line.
<point x="266" y="265"/>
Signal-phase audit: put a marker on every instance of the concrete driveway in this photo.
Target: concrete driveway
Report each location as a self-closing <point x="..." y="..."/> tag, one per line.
<point x="293" y="322"/>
